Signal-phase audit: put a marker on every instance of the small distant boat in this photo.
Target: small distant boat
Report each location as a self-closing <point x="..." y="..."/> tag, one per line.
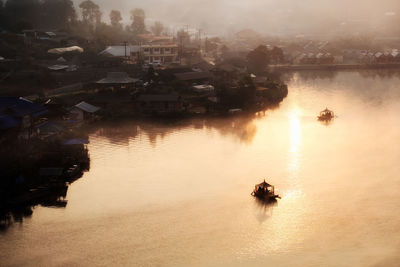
<point x="326" y="115"/>
<point x="265" y="191"/>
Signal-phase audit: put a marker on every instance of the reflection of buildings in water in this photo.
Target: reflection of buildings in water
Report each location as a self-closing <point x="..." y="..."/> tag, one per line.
<point x="118" y="132"/>
<point x="379" y="73"/>
<point x="53" y="198"/>
<point x="240" y="127"/>
<point x="34" y="180"/>
<point x="7" y="218"/>
<point x="312" y="75"/>
<point x="376" y="87"/>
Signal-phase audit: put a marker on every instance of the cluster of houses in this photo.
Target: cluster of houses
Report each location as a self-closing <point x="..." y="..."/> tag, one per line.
<point x="22" y="119"/>
<point x="349" y="57"/>
<point x="369" y="57"/>
<point x="311" y="58"/>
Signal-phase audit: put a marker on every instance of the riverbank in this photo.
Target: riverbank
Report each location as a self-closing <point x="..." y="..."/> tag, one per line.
<point x="334" y="67"/>
<point x="122" y="104"/>
<point x="39" y="172"/>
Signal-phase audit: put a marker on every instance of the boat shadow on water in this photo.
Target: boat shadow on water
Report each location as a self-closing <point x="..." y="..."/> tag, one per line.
<point x="264" y="209"/>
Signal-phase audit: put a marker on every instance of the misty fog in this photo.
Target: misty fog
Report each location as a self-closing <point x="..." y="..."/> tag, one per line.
<point x="268" y="16"/>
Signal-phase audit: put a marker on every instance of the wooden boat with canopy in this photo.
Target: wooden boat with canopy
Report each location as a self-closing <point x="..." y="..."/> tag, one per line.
<point x="265" y="191"/>
<point x="326" y="115"/>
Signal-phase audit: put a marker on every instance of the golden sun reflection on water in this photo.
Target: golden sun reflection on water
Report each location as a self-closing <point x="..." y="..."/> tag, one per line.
<point x="295" y="141"/>
<point x="284" y="222"/>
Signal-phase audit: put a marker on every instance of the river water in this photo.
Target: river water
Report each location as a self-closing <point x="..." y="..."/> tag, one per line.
<point x="178" y="194"/>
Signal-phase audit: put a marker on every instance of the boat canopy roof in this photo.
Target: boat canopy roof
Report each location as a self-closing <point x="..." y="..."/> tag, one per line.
<point x="326" y="110"/>
<point x="264" y="184"/>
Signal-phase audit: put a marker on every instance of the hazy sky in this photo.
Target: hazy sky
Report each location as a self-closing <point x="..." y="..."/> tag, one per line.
<point x="266" y="16"/>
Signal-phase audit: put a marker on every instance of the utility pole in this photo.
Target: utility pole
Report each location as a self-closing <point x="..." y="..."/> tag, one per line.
<point x="200" y="41"/>
<point x="181" y="45"/>
<point x="125" y="43"/>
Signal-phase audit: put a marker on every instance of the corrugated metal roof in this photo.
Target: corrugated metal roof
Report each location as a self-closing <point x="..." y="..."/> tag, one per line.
<point x="117" y="77"/>
<point x="87" y="107"/>
<point x="119" y="50"/>
<point x="50" y="127"/>
<point x="58" y="67"/>
<point x="65" y="89"/>
<point x="20" y="107"/>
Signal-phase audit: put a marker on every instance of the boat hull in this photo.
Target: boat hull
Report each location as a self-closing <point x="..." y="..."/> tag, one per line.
<point x="266" y="197"/>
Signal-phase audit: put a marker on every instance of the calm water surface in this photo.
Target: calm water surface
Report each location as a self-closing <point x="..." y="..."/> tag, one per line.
<point x="179" y="195"/>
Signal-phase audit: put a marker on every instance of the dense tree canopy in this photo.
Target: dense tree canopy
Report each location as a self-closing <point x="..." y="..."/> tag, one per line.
<point x="157" y="28"/>
<point x="58" y="13"/>
<point x="17" y="15"/>
<point x="258" y="59"/>
<point x="137" y="17"/>
<point x="276" y="55"/>
<point x="91" y="14"/>
<point x="22" y="14"/>
<point x="239" y="96"/>
<point x="2" y="15"/>
<point x="115" y="19"/>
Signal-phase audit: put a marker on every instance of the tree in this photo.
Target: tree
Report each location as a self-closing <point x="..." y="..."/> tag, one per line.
<point x="22" y="14"/>
<point x="91" y="14"/>
<point x="2" y="15"/>
<point x="58" y="13"/>
<point x="277" y="55"/>
<point x="157" y="28"/>
<point x="47" y="14"/>
<point x="258" y="59"/>
<point x="115" y="18"/>
<point x="137" y="17"/>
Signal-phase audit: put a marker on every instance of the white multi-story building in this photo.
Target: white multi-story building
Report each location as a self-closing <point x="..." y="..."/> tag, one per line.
<point x="159" y="53"/>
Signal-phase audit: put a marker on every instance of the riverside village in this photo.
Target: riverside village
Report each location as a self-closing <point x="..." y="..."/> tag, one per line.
<point x="199" y="133"/>
<point x="61" y="76"/>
